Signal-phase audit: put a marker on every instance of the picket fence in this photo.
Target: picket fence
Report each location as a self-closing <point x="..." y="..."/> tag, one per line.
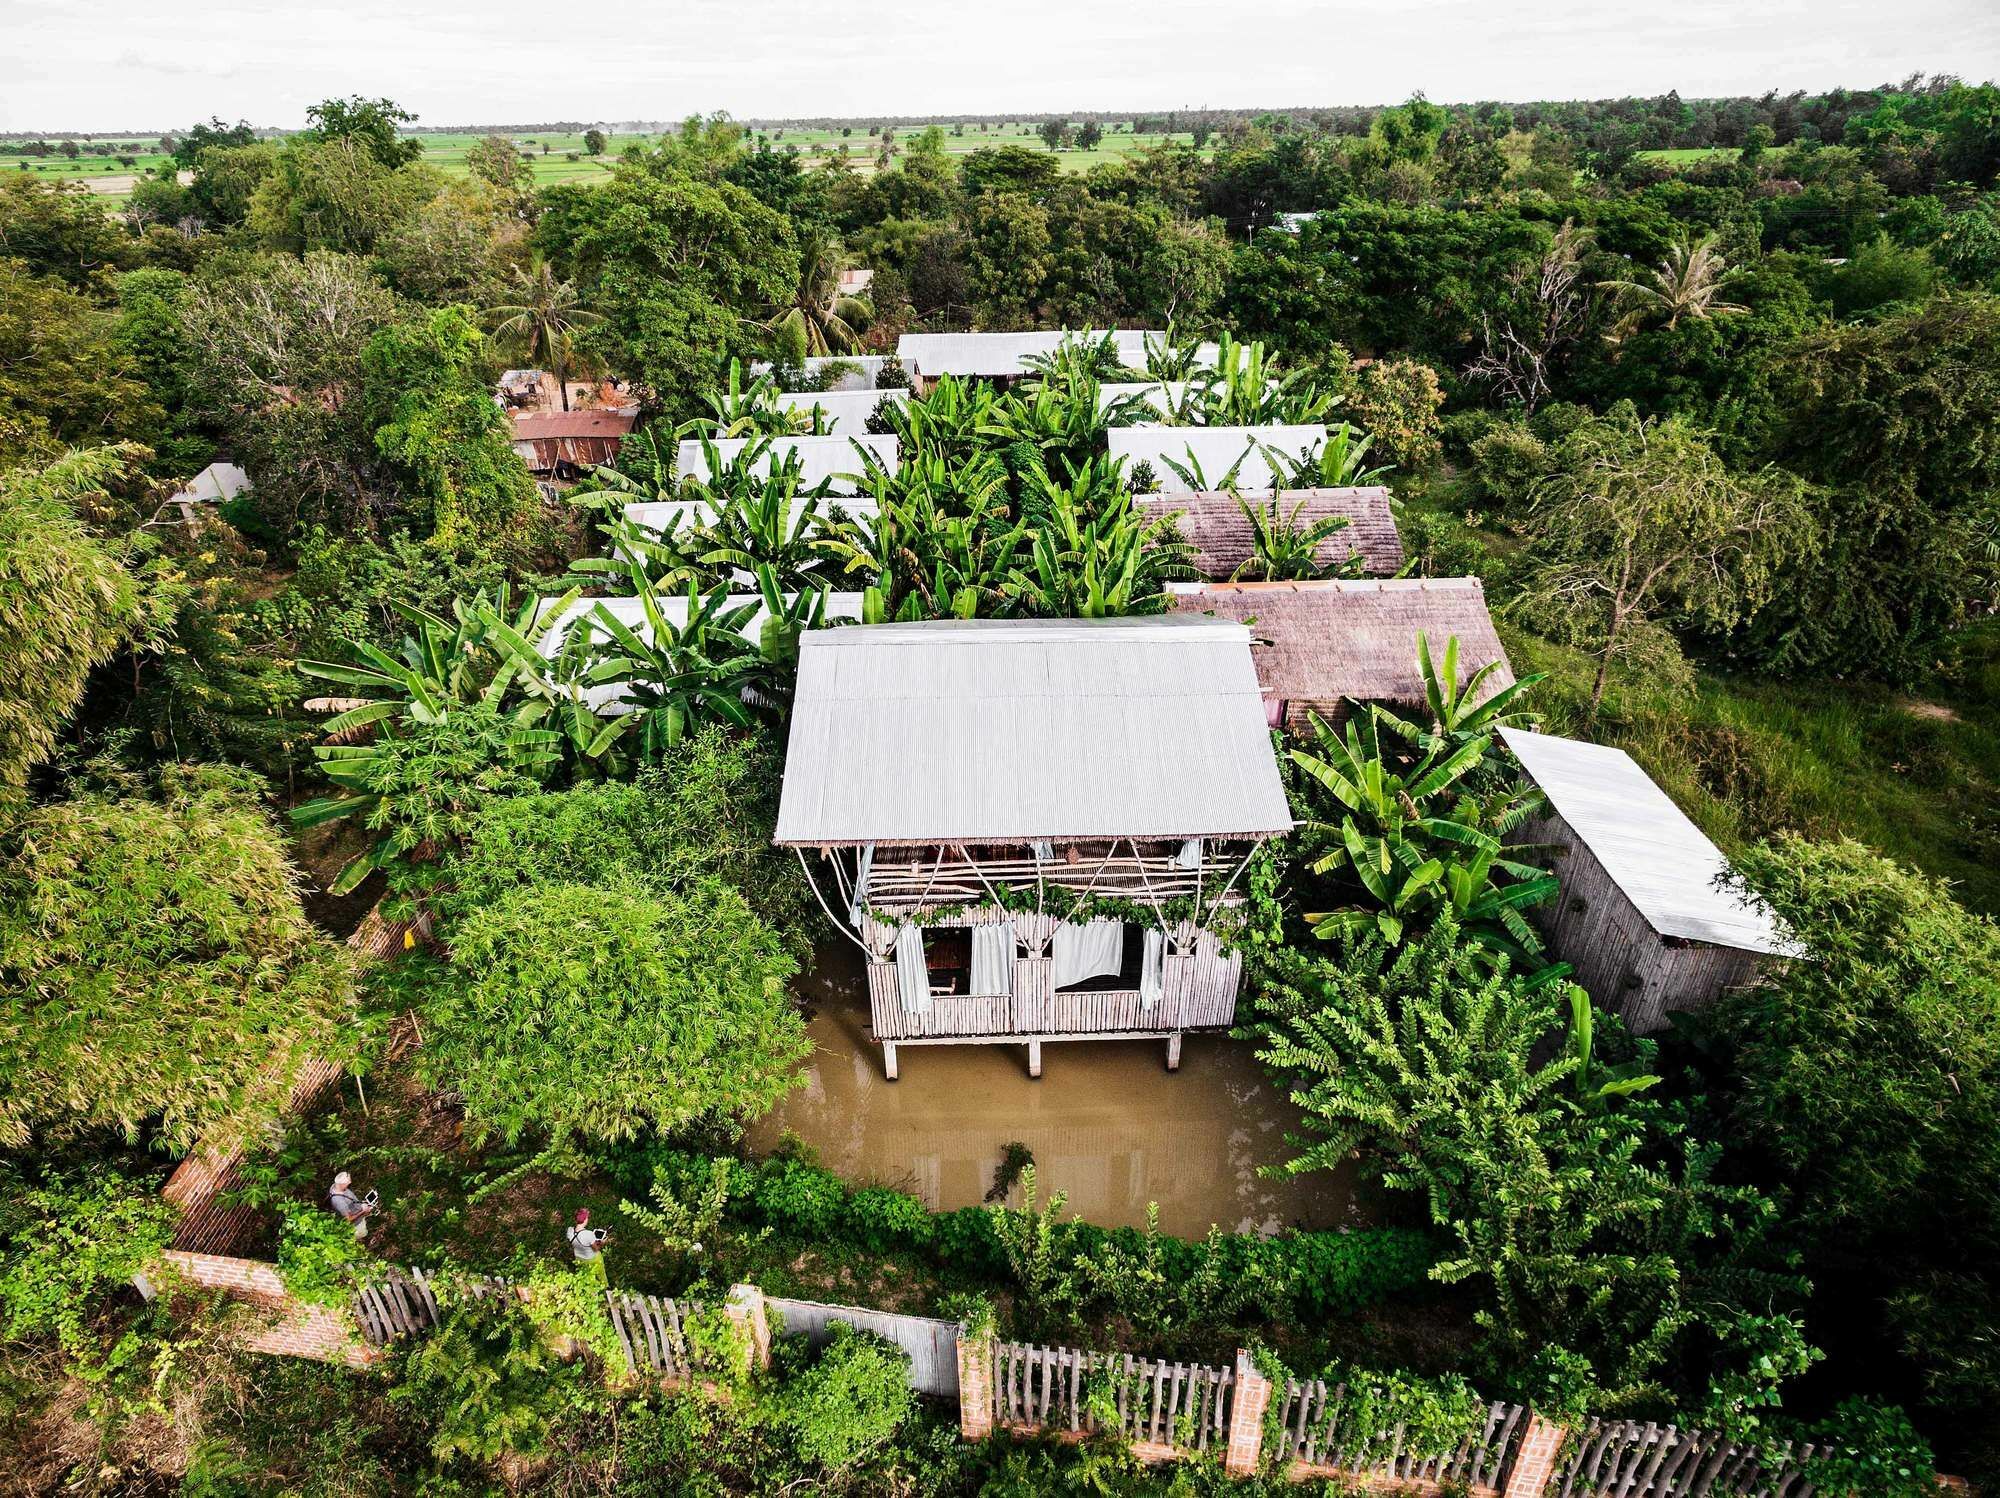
<point x="1318" y="1433"/>
<point x="404" y="1302"/>
<point x="1050" y="1387"/>
<point x="1628" y="1459"/>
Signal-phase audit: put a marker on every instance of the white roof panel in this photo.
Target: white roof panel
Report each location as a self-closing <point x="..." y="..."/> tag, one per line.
<point x="1005" y="355"/>
<point x="1210" y="452"/>
<point x="1023" y="729"/>
<point x="1647" y="845"/>
<point x="847" y="411"/>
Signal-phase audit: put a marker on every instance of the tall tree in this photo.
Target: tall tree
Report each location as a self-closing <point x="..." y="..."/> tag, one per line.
<point x="542" y="318"/>
<point x="1641" y="529"/>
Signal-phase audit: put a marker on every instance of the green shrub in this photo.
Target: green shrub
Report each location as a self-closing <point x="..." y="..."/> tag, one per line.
<point x="848" y="1401"/>
<point x="1871" y="1450"/>
<point x="68" y="1241"/>
<point x="1461" y="429"/>
<point x="1397" y="401"/>
<point x="318" y="1254"/>
<point x="883" y="1219"/>
<point x="792" y="1194"/>
<point x="1506" y="462"/>
<point x="487" y="1382"/>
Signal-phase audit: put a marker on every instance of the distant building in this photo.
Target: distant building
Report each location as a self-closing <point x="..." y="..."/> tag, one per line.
<point x="1291" y="223"/>
<point x="564" y="444"/>
<point x="1645" y="917"/>
<point x="930" y="765"/>
<point x="1321" y="645"/>
<point x="856" y="282"/>
<point x="1221" y="533"/>
<point x="216" y="484"/>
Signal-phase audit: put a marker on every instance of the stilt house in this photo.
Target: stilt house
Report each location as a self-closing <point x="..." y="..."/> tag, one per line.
<point x="1031" y="826"/>
<point x="1646" y="915"/>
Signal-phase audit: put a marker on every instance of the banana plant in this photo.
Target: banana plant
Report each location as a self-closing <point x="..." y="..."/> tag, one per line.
<point x="1282" y="549"/>
<point x="1244" y="388"/>
<point x="1093" y="557"/>
<point x="678" y="673"/>
<point x="1595" y="1084"/>
<point x="1340" y="462"/>
<point x="944" y="424"/>
<point x="939" y="545"/>
<point x="1458" y="711"/>
<point x="1413" y="839"/>
<point x="741" y="406"/>
<point x="1169" y="357"/>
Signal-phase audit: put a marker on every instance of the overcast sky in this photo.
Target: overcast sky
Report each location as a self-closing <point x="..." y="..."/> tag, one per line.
<point x="106" y="66"/>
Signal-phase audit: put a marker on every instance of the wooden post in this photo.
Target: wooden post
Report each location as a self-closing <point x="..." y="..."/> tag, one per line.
<point x="1174" y="1051"/>
<point x="1034" y="1058"/>
<point x="889" y="1059"/>
<point x="745" y="1307"/>
<point x="1535" y="1458"/>
<point x="1245" y="1451"/>
<point x="975" y="1386"/>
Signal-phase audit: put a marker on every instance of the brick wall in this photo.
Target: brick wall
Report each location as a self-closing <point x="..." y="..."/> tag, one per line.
<point x="1246" y="1418"/>
<point x="975" y="1387"/>
<point x="1535" y="1461"/>
<point x="274" y="1322"/>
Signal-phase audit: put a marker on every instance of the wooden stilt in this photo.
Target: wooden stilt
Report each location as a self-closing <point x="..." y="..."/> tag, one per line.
<point x="889" y="1059"/>
<point x="1034" y="1058"/>
<point x="1174" y="1051"/>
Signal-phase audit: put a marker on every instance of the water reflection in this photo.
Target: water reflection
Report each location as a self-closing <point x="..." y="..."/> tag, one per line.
<point x="1107" y="1123"/>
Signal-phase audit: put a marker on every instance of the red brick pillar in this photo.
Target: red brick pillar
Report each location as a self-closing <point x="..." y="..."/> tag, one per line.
<point x="1252" y="1396"/>
<point x="1535" y="1460"/>
<point x="975" y="1385"/>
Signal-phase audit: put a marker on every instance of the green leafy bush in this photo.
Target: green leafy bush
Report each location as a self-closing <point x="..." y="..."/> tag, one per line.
<point x="320" y="1258"/>
<point x="1871" y="1451"/>
<point x="487" y="1382"/>
<point x="883" y="1219"/>
<point x="848" y="1401"/>
<point x="68" y="1241"/>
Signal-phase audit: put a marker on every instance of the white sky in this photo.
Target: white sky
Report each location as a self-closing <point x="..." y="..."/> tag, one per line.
<point x="114" y="66"/>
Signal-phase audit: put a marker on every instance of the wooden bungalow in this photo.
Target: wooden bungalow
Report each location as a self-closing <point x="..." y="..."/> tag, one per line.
<point x="1211" y="454"/>
<point x="562" y="444"/>
<point x="1321" y="645"/>
<point x="1646" y="916"/>
<point x="970" y="786"/>
<point x="1215" y="524"/>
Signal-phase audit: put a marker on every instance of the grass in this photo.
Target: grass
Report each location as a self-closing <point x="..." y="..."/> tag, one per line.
<point x="1688" y="155"/>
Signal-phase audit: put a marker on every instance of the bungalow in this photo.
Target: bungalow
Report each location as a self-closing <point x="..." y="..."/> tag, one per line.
<point x="562" y="444"/>
<point x="1215" y="524"/>
<point x="1646" y="916"/>
<point x="836" y="462"/>
<point x="1321" y="645"/>
<point x="846" y="411"/>
<point x="1211" y="454"/>
<point x="972" y="786"/>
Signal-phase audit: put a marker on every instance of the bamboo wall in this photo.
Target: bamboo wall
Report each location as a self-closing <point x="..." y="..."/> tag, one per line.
<point x="1627" y="966"/>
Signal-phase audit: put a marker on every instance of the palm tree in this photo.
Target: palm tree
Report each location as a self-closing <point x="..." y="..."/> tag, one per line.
<point x="1688" y="283"/>
<point x="544" y="318"/>
<point x="818" y="320"/>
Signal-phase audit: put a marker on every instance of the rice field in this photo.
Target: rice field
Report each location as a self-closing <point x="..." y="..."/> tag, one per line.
<point x="559" y="156"/>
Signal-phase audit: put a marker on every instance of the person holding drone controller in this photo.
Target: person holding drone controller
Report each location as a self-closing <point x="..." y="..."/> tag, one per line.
<point x="351" y="1208"/>
<point x="586" y="1243"/>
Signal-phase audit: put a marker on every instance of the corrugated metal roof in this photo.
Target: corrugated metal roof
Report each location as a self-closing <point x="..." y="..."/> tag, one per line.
<point x="659" y="514"/>
<point x="832" y="461"/>
<point x="1023" y="729"/>
<point x="534" y="425"/>
<point x="847" y="411"/>
<point x="1645" y="843"/>
<point x="851" y="377"/>
<point x="1215" y="449"/>
<point x="1213" y="522"/>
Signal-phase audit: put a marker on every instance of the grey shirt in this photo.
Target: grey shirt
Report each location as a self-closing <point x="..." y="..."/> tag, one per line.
<point x="343" y="1200"/>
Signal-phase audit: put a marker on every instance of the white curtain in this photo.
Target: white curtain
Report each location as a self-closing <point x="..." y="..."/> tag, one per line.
<point x="993" y="959"/>
<point x="913" y="975"/>
<point x="1151" y="981"/>
<point x="1189" y="856"/>
<point x="1093" y="950"/>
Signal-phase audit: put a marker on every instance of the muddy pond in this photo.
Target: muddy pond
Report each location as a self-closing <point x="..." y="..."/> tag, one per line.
<point x="1107" y="1123"/>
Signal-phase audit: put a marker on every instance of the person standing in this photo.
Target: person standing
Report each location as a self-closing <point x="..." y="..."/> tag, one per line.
<point x="350" y="1207"/>
<point x="586" y="1243"/>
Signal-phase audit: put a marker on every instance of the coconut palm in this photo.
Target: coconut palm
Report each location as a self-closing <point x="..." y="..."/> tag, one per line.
<point x="1688" y="283"/>
<point x="543" y="319"/>
<point x="818" y="320"/>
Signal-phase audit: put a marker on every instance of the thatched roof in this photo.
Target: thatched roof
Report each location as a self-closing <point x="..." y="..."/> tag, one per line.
<point x="1318" y="644"/>
<point x="1215" y="525"/>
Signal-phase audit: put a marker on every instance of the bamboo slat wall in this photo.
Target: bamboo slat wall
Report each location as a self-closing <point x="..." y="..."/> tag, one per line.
<point x="1049" y="1388"/>
<point x="1198" y="983"/>
<point x="1317" y="1433"/>
<point x="917" y="882"/>
<point x="1630" y="1459"/>
<point x="1626" y="965"/>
